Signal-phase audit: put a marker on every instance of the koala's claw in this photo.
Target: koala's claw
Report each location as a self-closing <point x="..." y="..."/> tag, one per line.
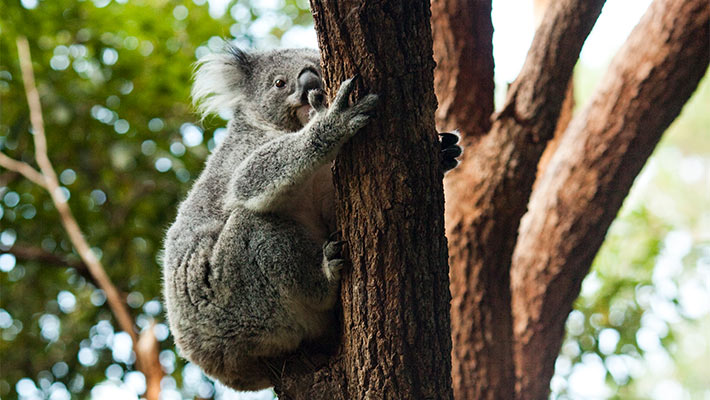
<point x="449" y="150"/>
<point x="343" y="120"/>
<point x="316" y="98"/>
<point x="332" y="249"/>
<point x="448" y="139"/>
<point x="333" y="261"/>
<point x="341" y="101"/>
<point x="341" y="98"/>
<point x="358" y="122"/>
<point x="365" y="105"/>
<point x="452" y="152"/>
<point x="336" y="265"/>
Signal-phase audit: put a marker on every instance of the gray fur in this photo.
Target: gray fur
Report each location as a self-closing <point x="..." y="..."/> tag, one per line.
<point x="249" y="272"/>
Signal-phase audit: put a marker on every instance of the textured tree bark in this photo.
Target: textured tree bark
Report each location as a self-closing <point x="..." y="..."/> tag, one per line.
<point x="396" y="329"/>
<point x="648" y="82"/>
<point x="566" y="113"/>
<point x="539" y="9"/>
<point x="491" y="197"/>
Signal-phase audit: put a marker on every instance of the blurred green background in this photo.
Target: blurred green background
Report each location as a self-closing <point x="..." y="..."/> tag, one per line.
<point x="114" y="77"/>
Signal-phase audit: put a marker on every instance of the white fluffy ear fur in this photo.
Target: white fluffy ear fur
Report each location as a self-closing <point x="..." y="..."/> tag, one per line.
<point x="217" y="80"/>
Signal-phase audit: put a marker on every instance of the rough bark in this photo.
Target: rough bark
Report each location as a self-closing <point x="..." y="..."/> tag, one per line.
<point x="566" y="113"/>
<point x="395" y="298"/>
<point x="491" y="197"/>
<point x="648" y="82"/>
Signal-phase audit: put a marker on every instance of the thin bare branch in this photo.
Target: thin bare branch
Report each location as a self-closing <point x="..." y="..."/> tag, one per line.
<point x="113" y="296"/>
<point x="23" y="168"/>
<point x="583" y="187"/>
<point x="32" y="253"/>
<point x="148" y="350"/>
<point x="60" y="202"/>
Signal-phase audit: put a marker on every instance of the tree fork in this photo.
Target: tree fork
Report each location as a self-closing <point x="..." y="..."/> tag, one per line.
<point x="492" y="196"/>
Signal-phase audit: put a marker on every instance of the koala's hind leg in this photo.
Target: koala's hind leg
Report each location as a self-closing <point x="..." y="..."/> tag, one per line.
<point x="304" y="269"/>
<point x="333" y="260"/>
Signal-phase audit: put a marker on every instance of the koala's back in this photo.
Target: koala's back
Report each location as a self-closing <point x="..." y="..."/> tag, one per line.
<point x="223" y="307"/>
<point x="234" y="280"/>
<point x="250" y="271"/>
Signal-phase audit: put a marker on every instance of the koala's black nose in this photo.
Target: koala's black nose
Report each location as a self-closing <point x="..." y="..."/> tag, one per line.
<point x="308" y="80"/>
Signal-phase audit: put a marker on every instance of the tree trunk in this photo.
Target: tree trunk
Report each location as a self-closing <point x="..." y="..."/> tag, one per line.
<point x="491" y="199"/>
<point x="396" y="327"/>
<point x="577" y="198"/>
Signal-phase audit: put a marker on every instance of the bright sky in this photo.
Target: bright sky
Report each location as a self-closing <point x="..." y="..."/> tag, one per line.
<point x="513" y="23"/>
<point x="513" y="32"/>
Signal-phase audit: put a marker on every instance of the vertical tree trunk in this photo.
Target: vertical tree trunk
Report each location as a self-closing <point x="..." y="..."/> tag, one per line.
<point x="396" y="341"/>
<point x="578" y="196"/>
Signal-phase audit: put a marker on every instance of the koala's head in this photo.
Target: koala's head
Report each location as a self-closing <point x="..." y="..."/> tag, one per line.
<point x="268" y="86"/>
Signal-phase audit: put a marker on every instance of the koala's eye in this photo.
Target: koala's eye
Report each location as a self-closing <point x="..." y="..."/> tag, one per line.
<point x="280" y="83"/>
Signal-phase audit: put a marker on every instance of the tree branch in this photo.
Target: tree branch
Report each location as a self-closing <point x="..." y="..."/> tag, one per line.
<point x="463" y="78"/>
<point x="567" y="110"/>
<point x="578" y="196"/>
<point x="52" y="185"/>
<point x="31" y="253"/>
<point x="22" y="168"/>
<point x="113" y="297"/>
<point x="491" y="194"/>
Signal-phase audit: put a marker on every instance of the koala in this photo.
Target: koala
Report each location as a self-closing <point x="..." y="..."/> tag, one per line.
<point x="251" y="265"/>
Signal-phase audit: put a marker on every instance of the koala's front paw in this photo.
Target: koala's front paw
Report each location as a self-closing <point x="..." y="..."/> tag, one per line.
<point x="449" y="150"/>
<point x="351" y="118"/>
<point x="333" y="260"/>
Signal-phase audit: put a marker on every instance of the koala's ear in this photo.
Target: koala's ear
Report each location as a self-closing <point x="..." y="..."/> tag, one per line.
<point x="219" y="79"/>
<point x="240" y="58"/>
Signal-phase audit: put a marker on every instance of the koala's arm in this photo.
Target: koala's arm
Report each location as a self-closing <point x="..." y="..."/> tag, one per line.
<point x="263" y="179"/>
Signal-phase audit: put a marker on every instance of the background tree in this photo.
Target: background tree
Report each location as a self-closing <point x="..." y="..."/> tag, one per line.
<point x="557" y="241"/>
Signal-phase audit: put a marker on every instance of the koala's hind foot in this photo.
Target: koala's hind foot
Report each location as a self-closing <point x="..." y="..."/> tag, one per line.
<point x="333" y="260"/>
<point x="449" y="150"/>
